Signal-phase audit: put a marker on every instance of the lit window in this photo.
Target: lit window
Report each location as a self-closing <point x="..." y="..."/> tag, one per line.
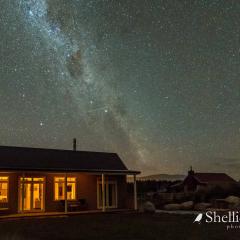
<point x="59" y="187"/>
<point x="71" y="188"/>
<point x="3" y="189"/>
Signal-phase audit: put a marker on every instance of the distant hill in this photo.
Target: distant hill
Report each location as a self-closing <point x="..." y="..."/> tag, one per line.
<point x="162" y="177"/>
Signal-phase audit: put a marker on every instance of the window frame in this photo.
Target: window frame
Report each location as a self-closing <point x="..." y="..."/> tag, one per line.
<point x="54" y="189"/>
<point x="107" y="182"/>
<point x="7" y="182"/>
<point x="31" y="180"/>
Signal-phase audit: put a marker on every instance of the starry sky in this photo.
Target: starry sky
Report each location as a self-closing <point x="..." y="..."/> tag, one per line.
<point x="156" y="81"/>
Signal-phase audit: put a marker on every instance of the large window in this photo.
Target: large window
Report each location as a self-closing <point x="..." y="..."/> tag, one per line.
<point x="3" y="189"/>
<point x="59" y="188"/>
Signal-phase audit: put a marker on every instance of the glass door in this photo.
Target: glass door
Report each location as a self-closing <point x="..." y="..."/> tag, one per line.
<point x="31" y="194"/>
<point x="37" y="196"/>
<point x="27" y="197"/>
<point x="110" y="194"/>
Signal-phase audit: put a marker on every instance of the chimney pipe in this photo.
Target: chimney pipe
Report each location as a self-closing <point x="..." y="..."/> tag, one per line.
<point x="191" y="172"/>
<point x="74" y="144"/>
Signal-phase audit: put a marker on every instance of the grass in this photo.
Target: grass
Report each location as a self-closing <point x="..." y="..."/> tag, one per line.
<point x="118" y="226"/>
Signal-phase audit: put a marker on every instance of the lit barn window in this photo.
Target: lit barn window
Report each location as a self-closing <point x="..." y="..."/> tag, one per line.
<point x="59" y="188"/>
<point x="4" y="189"/>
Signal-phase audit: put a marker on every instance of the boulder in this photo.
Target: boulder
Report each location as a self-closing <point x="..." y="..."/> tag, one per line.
<point x="187" y="205"/>
<point x="172" y="206"/>
<point x="148" y="207"/>
<point x="202" y="206"/>
<point x="233" y="201"/>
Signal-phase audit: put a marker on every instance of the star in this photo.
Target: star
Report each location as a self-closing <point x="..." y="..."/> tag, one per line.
<point x="31" y="13"/>
<point x="160" y="89"/>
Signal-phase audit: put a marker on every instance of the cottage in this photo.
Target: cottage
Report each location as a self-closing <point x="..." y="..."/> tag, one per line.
<point x="195" y="181"/>
<point x="48" y="180"/>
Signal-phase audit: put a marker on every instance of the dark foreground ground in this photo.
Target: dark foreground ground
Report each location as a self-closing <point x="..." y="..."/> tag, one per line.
<point x="115" y="226"/>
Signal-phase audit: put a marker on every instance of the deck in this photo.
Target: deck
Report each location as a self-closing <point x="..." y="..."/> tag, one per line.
<point x="60" y="214"/>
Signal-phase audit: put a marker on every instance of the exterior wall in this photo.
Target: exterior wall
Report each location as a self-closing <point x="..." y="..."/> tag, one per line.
<point x="86" y="188"/>
<point x="190" y="184"/>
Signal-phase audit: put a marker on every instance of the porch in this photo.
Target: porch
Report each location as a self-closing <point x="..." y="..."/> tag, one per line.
<point x="59" y="214"/>
<point x="38" y="193"/>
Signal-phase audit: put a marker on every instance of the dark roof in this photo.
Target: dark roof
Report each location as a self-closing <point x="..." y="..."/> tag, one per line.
<point x="212" y="177"/>
<point x="22" y="158"/>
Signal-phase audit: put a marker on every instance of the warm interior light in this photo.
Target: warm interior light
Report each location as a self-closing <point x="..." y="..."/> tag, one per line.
<point x="59" y="188"/>
<point x="3" y="189"/>
<point x="32" y="191"/>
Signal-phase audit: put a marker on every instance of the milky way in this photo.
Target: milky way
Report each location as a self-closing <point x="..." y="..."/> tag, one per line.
<point x="155" y="81"/>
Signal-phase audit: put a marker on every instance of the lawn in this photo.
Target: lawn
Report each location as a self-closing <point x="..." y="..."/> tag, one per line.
<point x="115" y="226"/>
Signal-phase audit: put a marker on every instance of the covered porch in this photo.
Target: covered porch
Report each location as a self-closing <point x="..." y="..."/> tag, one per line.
<point x="74" y="192"/>
<point x="41" y="192"/>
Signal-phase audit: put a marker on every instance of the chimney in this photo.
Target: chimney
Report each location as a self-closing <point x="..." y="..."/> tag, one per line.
<point x="74" y="144"/>
<point x="191" y="172"/>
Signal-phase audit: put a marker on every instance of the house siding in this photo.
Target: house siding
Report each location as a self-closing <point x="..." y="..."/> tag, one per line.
<point x="190" y="184"/>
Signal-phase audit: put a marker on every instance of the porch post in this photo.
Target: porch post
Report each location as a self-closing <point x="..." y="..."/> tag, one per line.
<point x="22" y="183"/>
<point x="103" y="193"/>
<point x="65" y="193"/>
<point x="135" y="192"/>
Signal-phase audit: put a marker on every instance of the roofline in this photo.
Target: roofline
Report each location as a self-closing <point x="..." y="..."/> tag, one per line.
<point x="97" y="171"/>
<point x="213" y="173"/>
<point x="56" y="149"/>
<point x="100" y="171"/>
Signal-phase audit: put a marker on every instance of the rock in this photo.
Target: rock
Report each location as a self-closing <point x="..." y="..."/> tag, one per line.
<point x="233" y="202"/>
<point x="148" y="207"/>
<point x="187" y="205"/>
<point x="232" y="199"/>
<point x="172" y="206"/>
<point x="202" y="206"/>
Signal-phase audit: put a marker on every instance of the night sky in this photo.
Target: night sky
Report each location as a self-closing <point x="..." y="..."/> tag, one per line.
<point x="156" y="81"/>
